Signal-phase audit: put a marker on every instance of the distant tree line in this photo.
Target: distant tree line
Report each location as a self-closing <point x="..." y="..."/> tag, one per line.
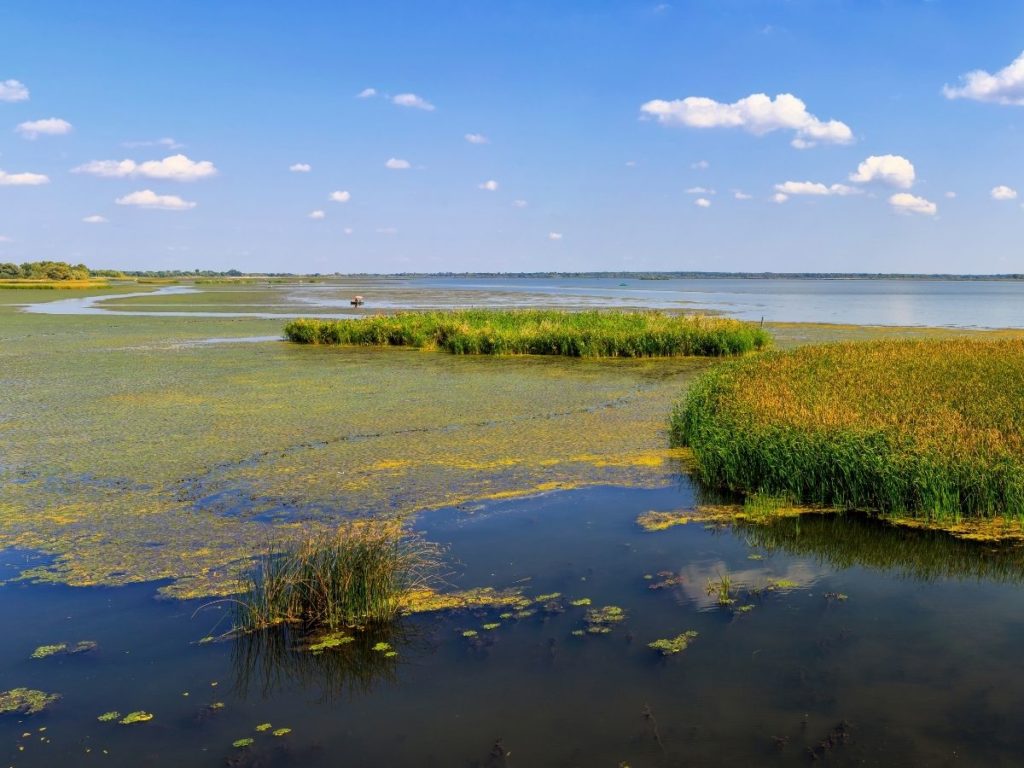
<point x="52" y="270"/>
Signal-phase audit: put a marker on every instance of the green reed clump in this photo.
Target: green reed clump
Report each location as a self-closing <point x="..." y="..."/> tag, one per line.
<point x="924" y="428"/>
<point x="354" y="576"/>
<point x="605" y="333"/>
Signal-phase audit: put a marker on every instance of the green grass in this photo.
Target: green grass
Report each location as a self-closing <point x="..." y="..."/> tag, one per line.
<point x="930" y="429"/>
<point x="540" y="332"/>
<point x="351" y="577"/>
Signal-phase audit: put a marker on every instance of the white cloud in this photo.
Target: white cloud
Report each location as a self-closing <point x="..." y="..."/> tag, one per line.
<point x="700" y="191"/>
<point x="894" y="170"/>
<point x="631" y="163"/>
<point x="397" y="164"/>
<point x="477" y="138"/>
<point x="757" y="114"/>
<point x="164" y="142"/>
<point x="340" y="196"/>
<point x="519" y="203"/>
<point x="387" y="230"/>
<point x="5" y="239"/>
<point x="347" y="230"/>
<point x="300" y="167"/>
<point x="814" y="188"/>
<point x="412" y="100"/>
<point x="700" y="165"/>
<point x="739" y="194"/>
<point x="1004" y="87"/>
<point x="366" y="93"/>
<point x="95" y="219"/>
<point x="1003" y="192"/>
<point x="171" y="168"/>
<point x="51" y="126"/>
<point x="22" y="179"/>
<point x="554" y="235"/>
<point x="147" y="198"/>
<point x="780" y="197"/>
<point x="702" y="202"/>
<point x="490" y="185"/>
<point x="317" y="215"/>
<point x="12" y="90"/>
<point x="950" y="195"/>
<point x="904" y="202"/>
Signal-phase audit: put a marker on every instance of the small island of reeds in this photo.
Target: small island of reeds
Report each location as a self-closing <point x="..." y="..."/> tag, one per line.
<point x="607" y="333"/>
<point x="927" y="429"/>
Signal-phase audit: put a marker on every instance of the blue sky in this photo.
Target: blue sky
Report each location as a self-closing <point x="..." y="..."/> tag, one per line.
<point x="173" y="127"/>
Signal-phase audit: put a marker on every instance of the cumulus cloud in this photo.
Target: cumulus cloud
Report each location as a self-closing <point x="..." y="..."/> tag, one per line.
<point x="95" y="219"/>
<point x="477" y="138"/>
<point x="22" y="179"/>
<point x="341" y="196"/>
<point x="554" y="235"/>
<point x="813" y="188"/>
<point x="1003" y="192"/>
<point x="904" y="202"/>
<point x="894" y="170"/>
<point x="702" y="202"/>
<point x="51" y="126"/>
<point x="300" y="167"/>
<point x="12" y="90"/>
<point x="1004" y="87"/>
<point x="317" y="215"/>
<point x="739" y="194"/>
<point x="397" y="164"/>
<point x="171" y="168"/>
<point x="147" y="198"/>
<point x="366" y="93"/>
<point x="412" y="100"/>
<point x="490" y="185"/>
<point x="780" y="197"/>
<point x="757" y="114"/>
<point x="519" y="203"/>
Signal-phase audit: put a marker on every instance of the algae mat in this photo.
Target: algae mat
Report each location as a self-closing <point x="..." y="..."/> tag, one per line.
<point x="130" y="452"/>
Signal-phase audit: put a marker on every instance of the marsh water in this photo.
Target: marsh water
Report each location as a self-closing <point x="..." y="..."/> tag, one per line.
<point x="924" y="303"/>
<point x="863" y="645"/>
<point x="138" y="444"/>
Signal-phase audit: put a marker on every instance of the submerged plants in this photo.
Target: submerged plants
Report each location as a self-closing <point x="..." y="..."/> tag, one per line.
<point x="604" y="333"/>
<point x="921" y="429"/>
<point x="353" y="576"/>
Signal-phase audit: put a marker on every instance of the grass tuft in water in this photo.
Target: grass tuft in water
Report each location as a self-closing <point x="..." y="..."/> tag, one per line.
<point x="354" y="576"/>
<point x="606" y="333"/>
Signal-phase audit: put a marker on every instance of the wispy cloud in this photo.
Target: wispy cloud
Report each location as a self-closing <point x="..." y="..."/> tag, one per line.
<point x="413" y="101"/>
<point x="167" y="141"/>
<point x="95" y="219"/>
<point x="317" y="215"/>
<point x="397" y="164"/>
<point x="366" y="93"/>
<point x="490" y="185"/>
<point x="340" y="196"/>
<point x="814" y="188"/>
<point x="477" y="138"/>
<point x="50" y="126"/>
<point x="702" y="202"/>
<point x="554" y="235"/>
<point x="904" y="202"/>
<point x="22" y="179"/>
<point x="300" y="167"/>
<point x="12" y="90"/>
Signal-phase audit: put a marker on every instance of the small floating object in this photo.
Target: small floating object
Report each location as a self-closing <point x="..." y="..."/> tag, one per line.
<point x="357" y="301"/>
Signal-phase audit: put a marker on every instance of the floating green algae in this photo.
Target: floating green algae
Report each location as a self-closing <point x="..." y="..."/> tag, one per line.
<point x="243" y="743"/>
<point x="58" y="649"/>
<point x="601" y="620"/>
<point x="264" y="727"/>
<point x="673" y="645"/>
<point x="282" y="732"/>
<point x="26" y="701"/>
<point x="329" y="641"/>
<point x="138" y="716"/>
<point x="108" y="717"/>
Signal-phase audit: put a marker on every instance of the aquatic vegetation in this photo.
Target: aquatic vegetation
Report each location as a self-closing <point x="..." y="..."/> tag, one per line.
<point x="264" y="727"/>
<point x="673" y="645"/>
<point x="136" y="717"/>
<point x="108" y="717"/>
<point x="349" y="577"/>
<point x="721" y="589"/>
<point x="281" y="732"/>
<point x="382" y="647"/>
<point x="580" y="602"/>
<point x="469" y="633"/>
<point x="329" y="641"/>
<point x="26" y="701"/>
<point x="599" y="621"/>
<point x="243" y="743"/>
<point x="744" y="608"/>
<point x="604" y="333"/>
<point x="427" y="600"/>
<point x="491" y="625"/>
<point x="57" y="649"/>
<point x="782" y="584"/>
<point x="547" y="598"/>
<point x="668" y="579"/>
<point x="659" y="521"/>
<point x="927" y="430"/>
<point x="839" y="597"/>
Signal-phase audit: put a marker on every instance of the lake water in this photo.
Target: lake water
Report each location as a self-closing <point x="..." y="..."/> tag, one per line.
<point x="877" y="647"/>
<point x="958" y="304"/>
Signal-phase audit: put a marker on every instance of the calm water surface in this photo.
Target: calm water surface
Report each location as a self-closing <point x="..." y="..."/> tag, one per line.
<point x="918" y="665"/>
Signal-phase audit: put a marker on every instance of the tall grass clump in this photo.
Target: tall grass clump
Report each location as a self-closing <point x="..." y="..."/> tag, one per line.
<point x="352" y="577"/>
<point x="606" y="333"/>
<point x="931" y="429"/>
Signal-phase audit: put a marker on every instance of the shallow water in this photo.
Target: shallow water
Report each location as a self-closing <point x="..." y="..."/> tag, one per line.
<point x="918" y="666"/>
<point x="924" y="303"/>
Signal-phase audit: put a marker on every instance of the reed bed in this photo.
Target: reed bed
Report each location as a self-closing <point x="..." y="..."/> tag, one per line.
<point x="604" y="333"/>
<point x="928" y="429"/>
<point x="352" y="577"/>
